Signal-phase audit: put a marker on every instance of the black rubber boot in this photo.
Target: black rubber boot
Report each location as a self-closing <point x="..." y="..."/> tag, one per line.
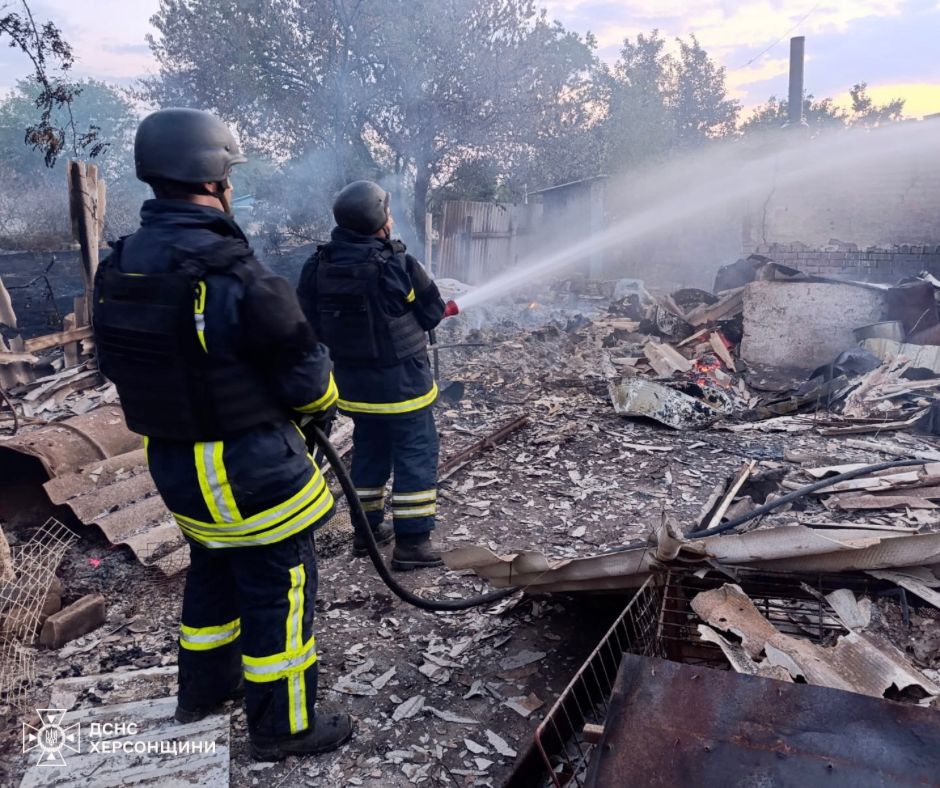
<point x="185" y="715"/>
<point x="383" y="535"/>
<point x="329" y="731"/>
<point x="414" y="551"/>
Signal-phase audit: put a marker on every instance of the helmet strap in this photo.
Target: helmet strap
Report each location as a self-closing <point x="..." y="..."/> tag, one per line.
<point x="222" y="187"/>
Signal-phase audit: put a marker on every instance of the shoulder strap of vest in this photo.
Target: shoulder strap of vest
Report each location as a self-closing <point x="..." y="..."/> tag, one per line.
<point x="225" y="256"/>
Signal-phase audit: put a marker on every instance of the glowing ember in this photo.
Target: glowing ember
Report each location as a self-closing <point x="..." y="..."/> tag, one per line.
<point x="533" y="305"/>
<point x="706" y="364"/>
<point x="708" y="371"/>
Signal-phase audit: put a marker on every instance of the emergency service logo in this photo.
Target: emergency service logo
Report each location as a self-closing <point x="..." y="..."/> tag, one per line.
<point x="53" y="738"/>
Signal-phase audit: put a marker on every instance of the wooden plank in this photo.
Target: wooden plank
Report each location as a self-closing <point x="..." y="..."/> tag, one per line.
<point x="7" y="315"/>
<point x="730" y="305"/>
<point x="746" y="470"/>
<point x="59" y="338"/>
<point x="718" y="345"/>
<point x="665" y="359"/>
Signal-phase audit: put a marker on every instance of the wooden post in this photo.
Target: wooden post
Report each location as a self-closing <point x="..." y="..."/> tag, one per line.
<point x="429" y="243"/>
<point x="86" y="219"/>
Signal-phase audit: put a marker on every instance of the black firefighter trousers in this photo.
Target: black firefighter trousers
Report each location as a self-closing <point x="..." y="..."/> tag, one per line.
<point x="248" y="611"/>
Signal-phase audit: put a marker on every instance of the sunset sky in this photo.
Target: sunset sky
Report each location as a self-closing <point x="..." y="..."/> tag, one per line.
<point x="891" y="44"/>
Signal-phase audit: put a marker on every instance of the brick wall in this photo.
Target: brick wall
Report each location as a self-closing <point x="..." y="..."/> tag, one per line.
<point x="885" y="264"/>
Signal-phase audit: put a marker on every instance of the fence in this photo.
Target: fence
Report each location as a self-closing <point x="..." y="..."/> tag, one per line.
<point x="478" y="239"/>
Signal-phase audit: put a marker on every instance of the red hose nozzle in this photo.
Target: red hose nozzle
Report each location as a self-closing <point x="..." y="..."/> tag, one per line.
<point x="451" y="309"/>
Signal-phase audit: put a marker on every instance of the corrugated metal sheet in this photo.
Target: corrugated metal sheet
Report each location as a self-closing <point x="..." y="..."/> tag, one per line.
<point x="478" y="239"/>
<point x="96" y="467"/>
<point x="673" y="724"/>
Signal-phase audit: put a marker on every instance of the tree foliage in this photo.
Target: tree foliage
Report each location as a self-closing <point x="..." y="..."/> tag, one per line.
<point x="825" y="113"/>
<point x="56" y="130"/>
<point x="662" y="100"/>
<point x="34" y="210"/>
<point x="440" y="98"/>
<point x="408" y="88"/>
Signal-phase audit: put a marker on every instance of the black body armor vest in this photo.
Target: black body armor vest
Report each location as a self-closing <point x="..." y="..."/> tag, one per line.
<point x="353" y="318"/>
<point x="147" y="344"/>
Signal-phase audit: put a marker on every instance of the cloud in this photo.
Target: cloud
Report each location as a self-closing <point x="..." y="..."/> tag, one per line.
<point x="762" y="70"/>
<point x="722" y="26"/>
<point x="920" y="98"/>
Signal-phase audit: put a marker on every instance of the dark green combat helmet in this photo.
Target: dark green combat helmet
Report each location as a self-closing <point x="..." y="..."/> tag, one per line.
<point x="185" y="146"/>
<point x="362" y="206"/>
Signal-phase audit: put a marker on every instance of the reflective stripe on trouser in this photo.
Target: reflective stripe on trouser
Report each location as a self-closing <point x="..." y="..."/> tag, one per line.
<point x="305" y="508"/>
<point x="408" y="447"/>
<point x="206" y="638"/>
<point x="372" y="499"/>
<point x="273" y="588"/>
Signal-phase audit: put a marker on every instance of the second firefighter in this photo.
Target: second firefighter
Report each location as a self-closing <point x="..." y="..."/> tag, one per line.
<point x="373" y="304"/>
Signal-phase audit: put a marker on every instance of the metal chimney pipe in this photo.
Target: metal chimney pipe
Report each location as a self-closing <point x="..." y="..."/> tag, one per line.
<point x="795" y="101"/>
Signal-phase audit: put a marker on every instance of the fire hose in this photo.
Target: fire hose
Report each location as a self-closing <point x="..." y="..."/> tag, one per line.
<point x="364" y="532"/>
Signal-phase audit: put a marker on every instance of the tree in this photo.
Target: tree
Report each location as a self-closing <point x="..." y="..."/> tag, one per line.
<point x="404" y="89"/>
<point x="95" y="104"/>
<point x="56" y="130"/>
<point x="661" y="102"/>
<point x="699" y="103"/>
<point x="820" y="114"/>
<point x="825" y="114"/>
<point x="35" y="213"/>
<point x="866" y="113"/>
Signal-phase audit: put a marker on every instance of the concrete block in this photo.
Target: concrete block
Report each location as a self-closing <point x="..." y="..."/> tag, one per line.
<point x="77" y="619"/>
<point x="802" y="325"/>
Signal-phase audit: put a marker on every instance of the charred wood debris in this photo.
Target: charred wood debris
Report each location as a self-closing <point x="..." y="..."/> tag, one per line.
<point x="583" y="423"/>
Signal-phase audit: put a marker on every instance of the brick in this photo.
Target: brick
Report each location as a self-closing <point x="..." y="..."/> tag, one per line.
<point x="77" y="619"/>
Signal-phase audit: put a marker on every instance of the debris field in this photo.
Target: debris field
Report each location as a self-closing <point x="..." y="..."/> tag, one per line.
<point x="590" y="431"/>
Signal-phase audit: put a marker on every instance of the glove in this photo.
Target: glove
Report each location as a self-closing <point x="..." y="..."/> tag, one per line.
<point x="451" y="308"/>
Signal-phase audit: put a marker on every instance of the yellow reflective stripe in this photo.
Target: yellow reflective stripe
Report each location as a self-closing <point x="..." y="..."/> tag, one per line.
<point x="202" y="474"/>
<point x="414" y="497"/>
<point x="326" y="401"/>
<point x="411" y="296"/>
<point x="200" y="316"/>
<point x="214" y="484"/>
<point x="294" y="525"/>
<point x="254" y="525"/>
<point x="206" y="638"/>
<point x="229" y="508"/>
<point x="280" y="666"/>
<point x="269" y="516"/>
<point x="390" y="407"/>
<point x="147" y="449"/>
<point x="370" y="492"/>
<point x="373" y="506"/>
<point x="294" y="642"/>
<point x="417" y="511"/>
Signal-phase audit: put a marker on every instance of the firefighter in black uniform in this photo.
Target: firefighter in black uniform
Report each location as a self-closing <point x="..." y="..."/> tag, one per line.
<point x="373" y="304"/>
<point x="214" y="363"/>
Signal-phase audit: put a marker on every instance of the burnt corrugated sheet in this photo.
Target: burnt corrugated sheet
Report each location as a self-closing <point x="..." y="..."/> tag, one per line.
<point x="673" y="725"/>
<point x="97" y="467"/>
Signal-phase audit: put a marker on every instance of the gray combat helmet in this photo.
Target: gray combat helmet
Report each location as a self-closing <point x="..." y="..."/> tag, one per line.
<point x="362" y="206"/>
<point x="186" y="146"/>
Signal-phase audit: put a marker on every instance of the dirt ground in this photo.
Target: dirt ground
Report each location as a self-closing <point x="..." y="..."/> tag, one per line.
<point x="430" y="691"/>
